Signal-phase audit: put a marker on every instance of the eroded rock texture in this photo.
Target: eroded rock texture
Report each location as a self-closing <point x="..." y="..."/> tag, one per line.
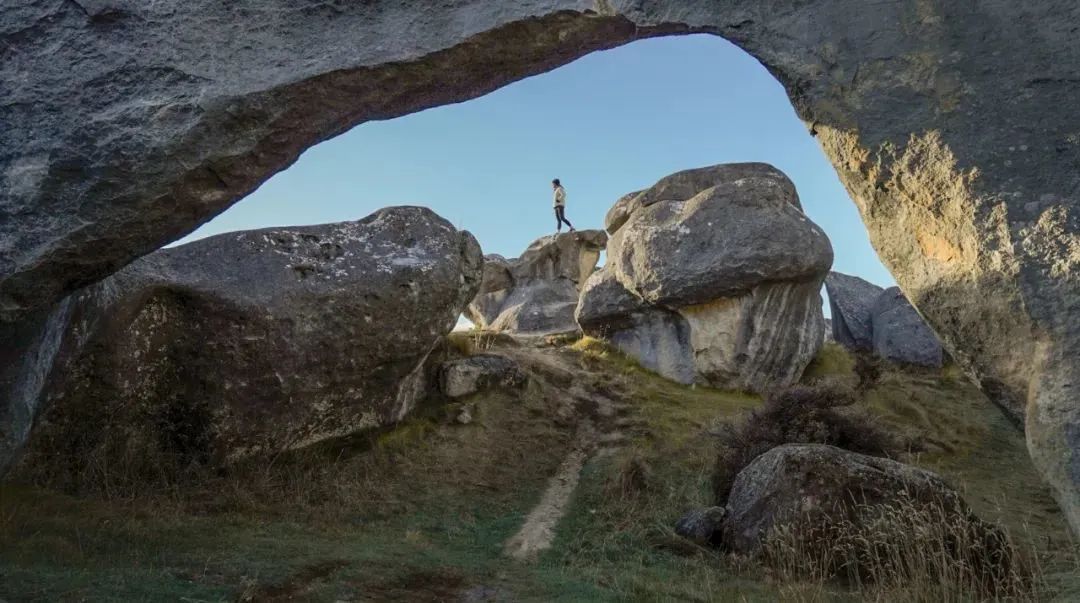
<point x="124" y="124"/>
<point x="253" y="342"/>
<point x="536" y="293"/>
<point x="713" y="275"/>
<point x="851" y="304"/>
<point x="823" y="485"/>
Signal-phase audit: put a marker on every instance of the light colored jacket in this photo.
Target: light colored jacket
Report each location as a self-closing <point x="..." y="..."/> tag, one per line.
<point x="560" y="196"/>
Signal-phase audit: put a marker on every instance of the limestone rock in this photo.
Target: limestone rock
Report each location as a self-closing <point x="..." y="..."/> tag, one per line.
<point x="713" y="275"/>
<point x="702" y="526"/>
<point x="536" y="294"/>
<point x="472" y="374"/>
<point x="820" y="483"/>
<point x="126" y="124"/>
<point x="255" y="342"/>
<point x="742" y="227"/>
<point x="851" y="303"/>
<point x="900" y="334"/>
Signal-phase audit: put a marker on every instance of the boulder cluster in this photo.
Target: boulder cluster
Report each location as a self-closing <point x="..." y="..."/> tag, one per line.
<point x="867" y="318"/>
<point x="536" y="293"/>
<point x="713" y="275"/>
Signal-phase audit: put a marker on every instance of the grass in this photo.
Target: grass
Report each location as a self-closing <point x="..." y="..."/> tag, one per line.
<point x="421" y="512"/>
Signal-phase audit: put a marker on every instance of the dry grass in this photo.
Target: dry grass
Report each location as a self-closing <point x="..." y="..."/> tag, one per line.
<point x="905" y="551"/>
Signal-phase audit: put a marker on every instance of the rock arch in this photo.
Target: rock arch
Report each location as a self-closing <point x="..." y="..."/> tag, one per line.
<point x="125" y="124"/>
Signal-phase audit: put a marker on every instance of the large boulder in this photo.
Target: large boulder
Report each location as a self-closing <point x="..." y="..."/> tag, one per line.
<point x="713" y="275"/>
<point x="900" y="334"/>
<point x="851" y="303"/>
<point x="254" y="342"/>
<point x="821" y="484"/>
<point x="536" y="294"/>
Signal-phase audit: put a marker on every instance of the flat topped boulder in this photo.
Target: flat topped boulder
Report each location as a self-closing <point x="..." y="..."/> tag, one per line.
<point x="536" y="294"/>
<point x="255" y="342"/>
<point x="713" y="275"/>
<point x="742" y="228"/>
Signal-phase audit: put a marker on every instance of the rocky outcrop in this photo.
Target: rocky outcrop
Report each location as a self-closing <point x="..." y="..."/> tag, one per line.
<point x="466" y="376"/>
<point x="536" y="293"/>
<point x="126" y="124"/>
<point x="702" y="526"/>
<point x="867" y="318"/>
<point x="851" y="304"/>
<point x="900" y="335"/>
<point x="821" y="484"/>
<point x="713" y="275"/>
<point x="254" y="342"/>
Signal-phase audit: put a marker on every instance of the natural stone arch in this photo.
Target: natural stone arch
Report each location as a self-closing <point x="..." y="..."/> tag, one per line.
<point x="126" y="124"/>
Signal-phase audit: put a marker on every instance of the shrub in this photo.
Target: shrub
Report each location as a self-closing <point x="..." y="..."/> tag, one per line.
<point x="803" y="414"/>
<point x="868" y="370"/>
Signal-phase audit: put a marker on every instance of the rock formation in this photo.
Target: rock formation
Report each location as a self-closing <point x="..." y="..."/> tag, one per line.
<point x="822" y="484"/>
<point x="536" y="293"/>
<point x="466" y="376"/>
<point x="255" y="342"/>
<point x="900" y="334"/>
<point x="851" y="304"/>
<point x="127" y="124"/>
<point x="867" y="318"/>
<point x="713" y="275"/>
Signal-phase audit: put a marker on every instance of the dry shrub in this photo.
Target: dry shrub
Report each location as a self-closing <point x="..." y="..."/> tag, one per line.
<point x="631" y="479"/>
<point x="803" y="414"/>
<point x="906" y="550"/>
<point x="868" y="369"/>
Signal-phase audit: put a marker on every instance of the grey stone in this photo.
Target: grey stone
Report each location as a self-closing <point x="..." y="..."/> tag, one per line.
<point x="126" y="124"/>
<point x="851" y="303"/>
<point x="466" y="376"/>
<point x="742" y="228"/>
<point x="536" y="293"/>
<point x="718" y="285"/>
<point x="702" y="526"/>
<point x="819" y="483"/>
<point x="254" y="342"/>
<point x="900" y="335"/>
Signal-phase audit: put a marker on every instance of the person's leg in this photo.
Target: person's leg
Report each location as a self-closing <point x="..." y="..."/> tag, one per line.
<point x="558" y="219"/>
<point x="562" y="214"/>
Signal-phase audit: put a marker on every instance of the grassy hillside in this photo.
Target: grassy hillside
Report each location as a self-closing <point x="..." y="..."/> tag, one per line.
<point x="422" y="512"/>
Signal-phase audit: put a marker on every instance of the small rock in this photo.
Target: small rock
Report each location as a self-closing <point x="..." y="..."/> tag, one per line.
<point x="467" y="376"/>
<point x="702" y="526"/>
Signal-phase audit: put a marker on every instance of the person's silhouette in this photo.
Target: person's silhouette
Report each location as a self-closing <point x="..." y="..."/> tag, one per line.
<point x="560" y="206"/>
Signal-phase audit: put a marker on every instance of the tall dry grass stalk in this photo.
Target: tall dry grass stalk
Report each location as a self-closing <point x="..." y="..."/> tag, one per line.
<point x="907" y="551"/>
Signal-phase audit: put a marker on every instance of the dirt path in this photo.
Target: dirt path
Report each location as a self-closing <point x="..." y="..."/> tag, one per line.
<point x="538" y="530"/>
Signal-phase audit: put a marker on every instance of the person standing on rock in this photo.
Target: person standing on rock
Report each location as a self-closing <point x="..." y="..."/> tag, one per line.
<point x="560" y="206"/>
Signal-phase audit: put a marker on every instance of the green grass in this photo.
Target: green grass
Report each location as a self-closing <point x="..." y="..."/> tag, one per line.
<point x="421" y="512"/>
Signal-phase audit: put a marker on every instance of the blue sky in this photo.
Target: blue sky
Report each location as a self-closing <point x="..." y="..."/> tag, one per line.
<point x="607" y="124"/>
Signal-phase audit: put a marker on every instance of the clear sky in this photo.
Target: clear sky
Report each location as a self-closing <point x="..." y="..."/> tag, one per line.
<point x="607" y="124"/>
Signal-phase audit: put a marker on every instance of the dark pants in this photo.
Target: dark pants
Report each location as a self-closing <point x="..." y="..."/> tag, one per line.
<point x="560" y="217"/>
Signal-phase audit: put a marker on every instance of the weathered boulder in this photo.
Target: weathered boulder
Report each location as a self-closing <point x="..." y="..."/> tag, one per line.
<point x="713" y="275"/>
<point x="536" y="294"/>
<point x="820" y="484"/>
<point x="851" y="303"/>
<point x="900" y="334"/>
<point x="702" y="526"/>
<point x="125" y="124"/>
<point x="254" y="342"/>
<point x="466" y="376"/>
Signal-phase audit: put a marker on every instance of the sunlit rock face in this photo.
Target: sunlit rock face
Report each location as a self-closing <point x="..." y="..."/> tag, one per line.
<point x="713" y="275"/>
<point x="126" y="124"/>
<point x="536" y="293"/>
<point x="253" y="342"/>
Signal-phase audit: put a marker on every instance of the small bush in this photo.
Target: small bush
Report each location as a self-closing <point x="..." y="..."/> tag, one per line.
<point x="868" y="369"/>
<point x="802" y="414"/>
